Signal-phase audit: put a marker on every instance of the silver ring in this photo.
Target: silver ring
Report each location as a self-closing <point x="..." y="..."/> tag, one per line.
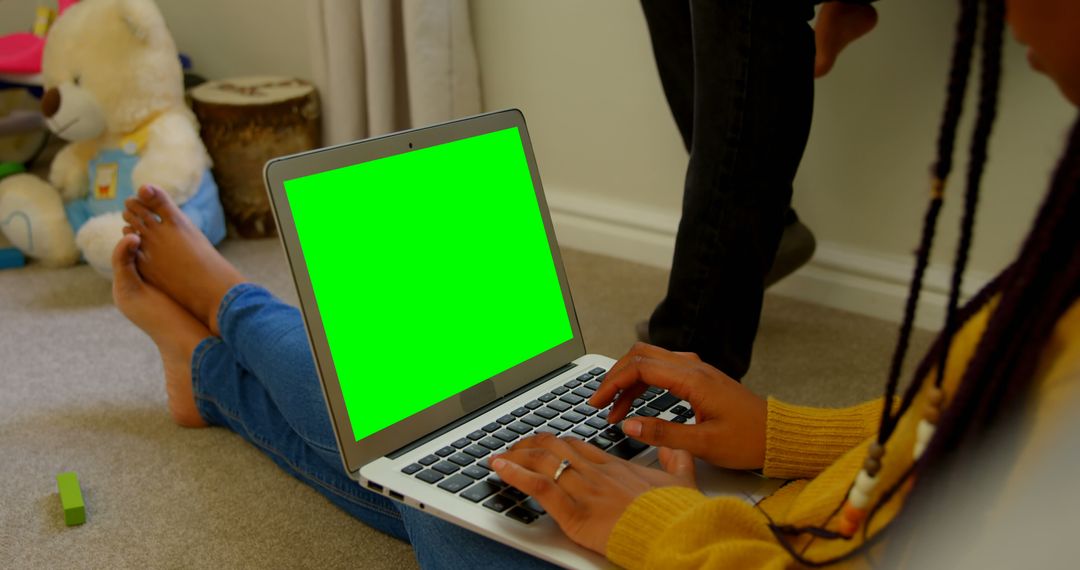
<point x="559" y="471"/>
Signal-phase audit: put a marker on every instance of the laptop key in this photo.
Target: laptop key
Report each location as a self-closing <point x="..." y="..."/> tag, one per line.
<point x="689" y="413"/>
<point x="507" y="419"/>
<point x="614" y="433"/>
<point x="490" y="443"/>
<point x="476" y="472"/>
<point x="584" y="392"/>
<point x="585" y="377"/>
<point x="597" y="371"/>
<point x="492" y="427"/>
<point x="560" y="424"/>
<point x="665" y="401"/>
<point x="583" y="431"/>
<point x="498" y="503"/>
<point x="477" y="451"/>
<point x="445" y="467"/>
<point x="604" y="413"/>
<point x="534" y="404"/>
<point x="485" y="463"/>
<point x="601" y="442"/>
<point x="679" y="410"/>
<point x="506" y="435"/>
<point x="514" y="494"/>
<point x="573" y="417"/>
<point x="647" y="395"/>
<point x="428" y="460"/>
<point x="480" y="491"/>
<point x="656" y="390"/>
<point x="521" y="428"/>
<point x="647" y="412"/>
<point x="411" y="468"/>
<point x="637" y="402"/>
<point x="597" y="423"/>
<point x="496" y="480"/>
<point x="533" y="505"/>
<point x="546" y="429"/>
<point x="559" y="406"/>
<point x="627" y="448"/>
<point x="461" y="443"/>
<point x="444" y="451"/>
<point x="456" y="483"/>
<point x="560" y="390"/>
<point x="593" y="384"/>
<point x="533" y="420"/>
<point x="585" y="410"/>
<point x="546" y="413"/>
<point x="477" y="435"/>
<point x="520" y="412"/>
<point x="572" y="384"/>
<point x="429" y="476"/>
<point x="679" y="419"/>
<point x="572" y="399"/>
<point x="522" y="514"/>
<point x="546" y="397"/>
<point x="462" y="459"/>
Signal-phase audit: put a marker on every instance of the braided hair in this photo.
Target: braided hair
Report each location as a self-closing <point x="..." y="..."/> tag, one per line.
<point x="1032" y="293"/>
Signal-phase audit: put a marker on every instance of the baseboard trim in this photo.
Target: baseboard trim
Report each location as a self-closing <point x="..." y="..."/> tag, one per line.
<point x="861" y="281"/>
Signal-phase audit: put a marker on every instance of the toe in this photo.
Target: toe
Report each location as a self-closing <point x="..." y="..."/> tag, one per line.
<point x="123" y="261"/>
<point x="158" y="202"/>
<point x="145" y="215"/>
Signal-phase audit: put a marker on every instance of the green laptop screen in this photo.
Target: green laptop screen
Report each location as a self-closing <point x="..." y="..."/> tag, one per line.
<point x="431" y="270"/>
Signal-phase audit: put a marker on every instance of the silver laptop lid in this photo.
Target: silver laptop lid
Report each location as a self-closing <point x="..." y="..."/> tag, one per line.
<point x="428" y="274"/>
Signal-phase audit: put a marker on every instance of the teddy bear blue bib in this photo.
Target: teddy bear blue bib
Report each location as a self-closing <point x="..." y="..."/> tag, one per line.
<point x="110" y="184"/>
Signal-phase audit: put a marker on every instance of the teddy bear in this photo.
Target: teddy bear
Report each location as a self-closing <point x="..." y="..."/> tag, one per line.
<point x="114" y="90"/>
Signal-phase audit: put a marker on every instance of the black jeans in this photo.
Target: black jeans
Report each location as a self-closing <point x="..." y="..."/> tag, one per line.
<point x="739" y="77"/>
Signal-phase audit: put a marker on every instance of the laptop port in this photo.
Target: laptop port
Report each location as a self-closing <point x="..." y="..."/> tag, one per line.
<point x="374" y="486"/>
<point x="396" y="496"/>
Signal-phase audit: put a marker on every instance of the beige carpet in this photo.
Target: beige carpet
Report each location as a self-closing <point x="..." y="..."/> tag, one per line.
<point x="81" y="389"/>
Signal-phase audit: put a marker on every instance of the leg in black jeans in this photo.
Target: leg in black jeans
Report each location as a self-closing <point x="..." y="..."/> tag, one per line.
<point x="738" y="75"/>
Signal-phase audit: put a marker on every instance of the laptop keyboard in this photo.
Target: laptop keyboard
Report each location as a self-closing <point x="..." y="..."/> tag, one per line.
<point x="462" y="466"/>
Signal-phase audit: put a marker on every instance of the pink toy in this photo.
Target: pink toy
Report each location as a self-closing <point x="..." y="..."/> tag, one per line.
<point x="20" y="53"/>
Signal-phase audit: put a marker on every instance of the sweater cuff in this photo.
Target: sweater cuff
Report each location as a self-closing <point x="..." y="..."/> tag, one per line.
<point x="643" y="522"/>
<point x="801" y="442"/>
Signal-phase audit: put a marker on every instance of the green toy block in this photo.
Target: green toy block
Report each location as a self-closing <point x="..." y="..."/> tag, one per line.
<point x="71" y="498"/>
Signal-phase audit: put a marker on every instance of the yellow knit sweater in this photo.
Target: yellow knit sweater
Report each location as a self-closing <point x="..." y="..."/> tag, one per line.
<point x="823" y="449"/>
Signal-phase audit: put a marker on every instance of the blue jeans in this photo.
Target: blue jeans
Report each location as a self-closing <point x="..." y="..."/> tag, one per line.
<point x="259" y="380"/>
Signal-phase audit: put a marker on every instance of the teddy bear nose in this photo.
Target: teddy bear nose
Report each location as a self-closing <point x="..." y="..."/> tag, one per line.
<point x="50" y="103"/>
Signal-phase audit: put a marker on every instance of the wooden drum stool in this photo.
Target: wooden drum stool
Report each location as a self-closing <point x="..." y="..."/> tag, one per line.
<point x="245" y="122"/>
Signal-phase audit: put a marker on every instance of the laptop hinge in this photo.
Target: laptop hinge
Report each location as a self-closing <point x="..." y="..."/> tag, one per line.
<point x="482" y="410"/>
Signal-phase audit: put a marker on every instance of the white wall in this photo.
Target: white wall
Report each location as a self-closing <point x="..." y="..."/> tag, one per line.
<point x="613" y="164"/>
<point x="225" y="38"/>
<point x="612" y="160"/>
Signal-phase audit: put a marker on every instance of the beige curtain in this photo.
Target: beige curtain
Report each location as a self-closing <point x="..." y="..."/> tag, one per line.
<point x="387" y="65"/>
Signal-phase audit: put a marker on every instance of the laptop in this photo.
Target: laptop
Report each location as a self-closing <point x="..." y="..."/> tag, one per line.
<point x="442" y="324"/>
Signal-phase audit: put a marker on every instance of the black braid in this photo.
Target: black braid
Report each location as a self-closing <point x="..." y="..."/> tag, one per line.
<point x="989" y="83"/>
<point x="959" y="71"/>
<point x="1044" y="283"/>
<point x="1033" y="294"/>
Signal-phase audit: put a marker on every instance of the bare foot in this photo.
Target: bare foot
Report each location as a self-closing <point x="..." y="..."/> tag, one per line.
<point x="839" y="24"/>
<point x="176" y="257"/>
<point x="174" y="330"/>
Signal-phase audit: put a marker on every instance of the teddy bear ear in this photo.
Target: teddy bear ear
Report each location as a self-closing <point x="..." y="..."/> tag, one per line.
<point x="140" y="17"/>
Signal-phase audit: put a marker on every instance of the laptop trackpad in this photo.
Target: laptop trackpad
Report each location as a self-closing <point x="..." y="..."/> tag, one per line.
<point x="714" y="481"/>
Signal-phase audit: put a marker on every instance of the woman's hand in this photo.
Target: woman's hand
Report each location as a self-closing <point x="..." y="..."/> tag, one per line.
<point x="594" y="491"/>
<point x="730" y="419"/>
